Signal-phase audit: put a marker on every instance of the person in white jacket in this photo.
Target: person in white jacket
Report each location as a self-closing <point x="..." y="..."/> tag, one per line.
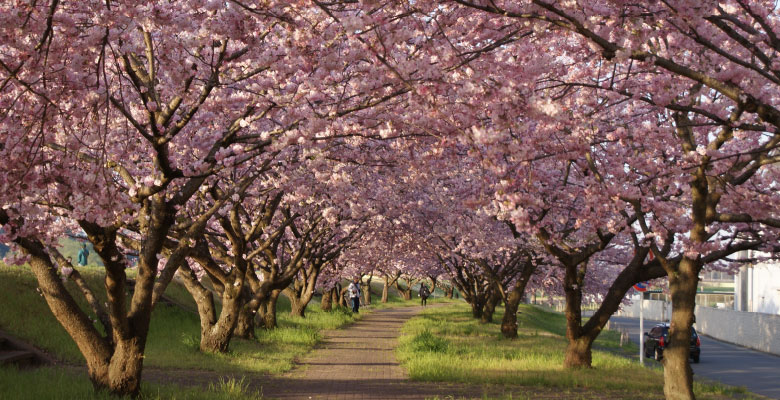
<point x="354" y="294"/>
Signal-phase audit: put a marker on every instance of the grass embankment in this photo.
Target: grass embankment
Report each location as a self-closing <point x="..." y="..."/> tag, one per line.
<point x="51" y="383"/>
<point x="447" y="344"/>
<point x="172" y="344"/>
<point x="174" y="333"/>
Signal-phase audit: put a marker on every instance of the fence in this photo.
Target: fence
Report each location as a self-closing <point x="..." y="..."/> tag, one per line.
<point x="753" y="330"/>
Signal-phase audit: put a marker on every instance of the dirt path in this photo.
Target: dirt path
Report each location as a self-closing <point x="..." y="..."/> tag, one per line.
<point x="359" y="363"/>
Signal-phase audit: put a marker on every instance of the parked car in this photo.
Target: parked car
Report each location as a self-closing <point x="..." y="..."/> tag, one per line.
<point x="658" y="339"/>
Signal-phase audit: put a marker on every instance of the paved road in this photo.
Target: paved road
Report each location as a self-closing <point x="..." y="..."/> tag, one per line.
<point x="724" y="362"/>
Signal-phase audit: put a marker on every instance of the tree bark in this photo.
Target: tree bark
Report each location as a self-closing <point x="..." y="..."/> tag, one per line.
<point x="476" y="309"/>
<point x="336" y="296"/>
<point x="385" y="290"/>
<point x="215" y="332"/>
<point x="678" y="375"/>
<point x="578" y="351"/>
<point x="367" y="290"/>
<point x="326" y="304"/>
<point x="245" y="325"/>
<point x="490" y="307"/>
<point x="448" y="290"/>
<point x="297" y="304"/>
<point x="406" y="293"/>
<point x="268" y="310"/>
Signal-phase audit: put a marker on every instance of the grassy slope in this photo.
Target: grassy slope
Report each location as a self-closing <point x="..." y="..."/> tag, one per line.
<point x="174" y="333"/>
<point x="61" y="384"/>
<point x="446" y="344"/>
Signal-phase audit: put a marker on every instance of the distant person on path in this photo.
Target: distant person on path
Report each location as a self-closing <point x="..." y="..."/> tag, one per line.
<point x="424" y="294"/>
<point x="354" y="294"/>
<point x="83" y="254"/>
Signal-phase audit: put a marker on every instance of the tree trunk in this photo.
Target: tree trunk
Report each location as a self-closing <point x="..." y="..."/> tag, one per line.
<point x="245" y="325"/>
<point x="342" y="298"/>
<point x="385" y="290"/>
<point x="336" y="294"/>
<point x="578" y="351"/>
<point x="268" y="310"/>
<point x="678" y="375"/>
<point x="490" y="307"/>
<point x="406" y="293"/>
<point x="476" y="309"/>
<point x="297" y="306"/>
<point x="215" y="333"/>
<point x="448" y="291"/>
<point x="367" y="291"/>
<point x="327" y="300"/>
<point x="509" y="321"/>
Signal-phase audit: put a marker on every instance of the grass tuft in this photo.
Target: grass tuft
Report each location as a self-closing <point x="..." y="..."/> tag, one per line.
<point x="445" y="344"/>
<point x="426" y="342"/>
<point x="67" y="384"/>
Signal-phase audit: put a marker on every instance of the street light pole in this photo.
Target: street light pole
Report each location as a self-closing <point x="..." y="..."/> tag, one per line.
<point x="641" y="329"/>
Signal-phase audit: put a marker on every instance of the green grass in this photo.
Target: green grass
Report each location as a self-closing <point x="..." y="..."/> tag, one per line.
<point x="174" y="334"/>
<point x="68" y="384"/>
<point x="447" y="344"/>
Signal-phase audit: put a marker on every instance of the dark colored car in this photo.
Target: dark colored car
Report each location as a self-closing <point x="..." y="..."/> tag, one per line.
<point x="658" y="339"/>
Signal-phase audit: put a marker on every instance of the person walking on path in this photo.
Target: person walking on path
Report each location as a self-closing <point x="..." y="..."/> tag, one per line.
<point x="83" y="254"/>
<point x="424" y="294"/>
<point x="354" y="294"/>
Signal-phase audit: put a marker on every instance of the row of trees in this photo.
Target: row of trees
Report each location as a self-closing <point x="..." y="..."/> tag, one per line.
<point x="278" y="146"/>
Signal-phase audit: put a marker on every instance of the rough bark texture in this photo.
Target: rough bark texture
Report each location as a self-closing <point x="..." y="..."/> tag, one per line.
<point x="215" y="332"/>
<point x="405" y="293"/>
<point x="336" y="295"/>
<point x="678" y="375"/>
<point x="490" y="307"/>
<point x="245" y="325"/>
<point x="476" y="309"/>
<point x="326" y="304"/>
<point x="385" y="290"/>
<point x="268" y="310"/>
<point x="367" y="290"/>
<point x="578" y="354"/>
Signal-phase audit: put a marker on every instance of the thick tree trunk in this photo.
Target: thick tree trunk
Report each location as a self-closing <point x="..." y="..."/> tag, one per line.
<point x="245" y="325"/>
<point x="343" y="298"/>
<point x="476" y="309"/>
<point x="326" y="304"/>
<point x="297" y="305"/>
<point x="215" y="332"/>
<point x="490" y="307"/>
<point x="367" y="291"/>
<point x="678" y="375"/>
<point x="268" y="310"/>
<point x="405" y="293"/>
<point x="509" y="321"/>
<point x="578" y="351"/>
<point x="336" y="294"/>
<point x="385" y="290"/>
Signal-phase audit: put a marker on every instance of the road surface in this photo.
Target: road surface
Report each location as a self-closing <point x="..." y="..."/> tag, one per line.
<point x="723" y="362"/>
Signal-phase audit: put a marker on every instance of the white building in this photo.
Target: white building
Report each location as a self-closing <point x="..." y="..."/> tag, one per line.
<point x="757" y="288"/>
